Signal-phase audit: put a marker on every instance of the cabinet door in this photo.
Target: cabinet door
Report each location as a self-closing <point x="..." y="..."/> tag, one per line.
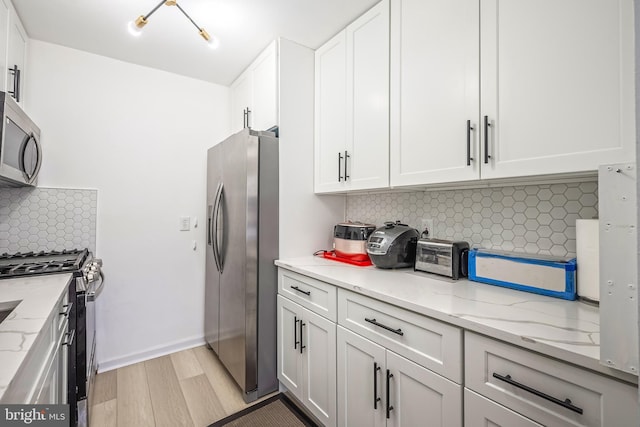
<point x="289" y="360"/>
<point x="434" y="91"/>
<point x="330" y="115"/>
<point x="361" y="375"/>
<point x="264" y="72"/>
<point x="4" y="37"/>
<point x="557" y="85"/>
<point x="367" y="159"/>
<point x="318" y="341"/>
<point x="482" y="412"/>
<point x="240" y="101"/>
<point x="417" y="394"/>
<point x="17" y="53"/>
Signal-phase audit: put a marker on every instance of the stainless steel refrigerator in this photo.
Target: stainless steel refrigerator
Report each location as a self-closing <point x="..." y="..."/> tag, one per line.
<point x="242" y="244"/>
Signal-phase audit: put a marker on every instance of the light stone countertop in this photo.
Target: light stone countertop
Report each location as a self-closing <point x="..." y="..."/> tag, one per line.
<point x="566" y="330"/>
<point x="38" y="295"/>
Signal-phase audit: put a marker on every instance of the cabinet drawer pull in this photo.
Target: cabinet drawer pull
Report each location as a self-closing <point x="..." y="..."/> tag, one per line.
<point x="564" y="403"/>
<point x="295" y="333"/>
<point x="395" y="331"/>
<point x="486" y="139"/>
<point x="340" y="167"/>
<point x="297" y="289"/>
<point x="389" y="407"/>
<point x="376" y="399"/>
<point x="469" y="129"/>
<point x="67" y="309"/>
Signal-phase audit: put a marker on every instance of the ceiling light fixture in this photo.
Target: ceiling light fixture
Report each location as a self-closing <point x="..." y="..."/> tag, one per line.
<point x="135" y="27"/>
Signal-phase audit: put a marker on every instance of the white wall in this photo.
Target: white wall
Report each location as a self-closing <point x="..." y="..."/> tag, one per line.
<point x="139" y="136"/>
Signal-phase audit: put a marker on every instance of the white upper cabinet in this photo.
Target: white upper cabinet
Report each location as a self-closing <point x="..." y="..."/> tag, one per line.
<point x="557" y="85"/>
<point x="330" y="114"/>
<point x="254" y="94"/>
<point x="5" y="9"/>
<point x="16" y="57"/>
<point x="352" y="106"/>
<point x="504" y="89"/>
<point x="13" y="52"/>
<point x="264" y="73"/>
<point x="434" y="91"/>
<point x="367" y="164"/>
<point x="240" y="101"/>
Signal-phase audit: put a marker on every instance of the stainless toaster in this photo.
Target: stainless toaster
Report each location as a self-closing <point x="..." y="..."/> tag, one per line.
<point x="442" y="257"/>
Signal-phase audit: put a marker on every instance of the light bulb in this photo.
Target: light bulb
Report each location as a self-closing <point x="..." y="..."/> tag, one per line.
<point x="213" y="42"/>
<point x="134" y="30"/>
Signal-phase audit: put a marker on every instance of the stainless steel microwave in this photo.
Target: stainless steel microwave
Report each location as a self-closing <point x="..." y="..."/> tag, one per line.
<point x="20" y="149"/>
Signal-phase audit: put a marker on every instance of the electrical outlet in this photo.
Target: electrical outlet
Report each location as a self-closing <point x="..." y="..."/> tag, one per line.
<point x="427" y="223"/>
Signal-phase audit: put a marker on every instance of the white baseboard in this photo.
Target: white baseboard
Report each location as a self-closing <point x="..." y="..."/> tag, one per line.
<point x="130" y="359"/>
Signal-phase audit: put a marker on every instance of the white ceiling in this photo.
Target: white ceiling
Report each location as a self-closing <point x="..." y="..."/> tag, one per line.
<point x="170" y="42"/>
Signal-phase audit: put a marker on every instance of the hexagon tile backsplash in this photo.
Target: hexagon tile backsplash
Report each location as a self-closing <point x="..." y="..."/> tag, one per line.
<point x="536" y="219"/>
<point x="35" y="219"/>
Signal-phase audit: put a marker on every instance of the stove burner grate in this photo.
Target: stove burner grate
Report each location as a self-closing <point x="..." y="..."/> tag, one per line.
<point x="30" y="263"/>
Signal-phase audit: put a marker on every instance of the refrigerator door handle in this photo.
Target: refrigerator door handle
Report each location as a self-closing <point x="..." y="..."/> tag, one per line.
<point x="209" y="225"/>
<point x="211" y="232"/>
<point x="214" y="228"/>
<point x="218" y="248"/>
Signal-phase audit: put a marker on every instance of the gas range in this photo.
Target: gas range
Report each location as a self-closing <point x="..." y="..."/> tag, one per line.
<point x="33" y="263"/>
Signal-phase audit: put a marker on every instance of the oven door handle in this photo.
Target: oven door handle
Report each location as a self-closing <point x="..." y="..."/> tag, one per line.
<point x="91" y="296"/>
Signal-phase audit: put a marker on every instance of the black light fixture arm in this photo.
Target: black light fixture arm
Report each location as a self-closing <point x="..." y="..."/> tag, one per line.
<point x="188" y="17"/>
<point x="136" y="26"/>
<point x="154" y="10"/>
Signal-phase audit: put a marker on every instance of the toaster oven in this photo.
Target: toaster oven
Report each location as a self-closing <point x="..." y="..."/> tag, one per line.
<point x="442" y="257"/>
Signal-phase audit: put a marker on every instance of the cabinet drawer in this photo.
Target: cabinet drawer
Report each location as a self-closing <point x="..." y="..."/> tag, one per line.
<point x="546" y="390"/>
<point x="315" y="295"/>
<point x="435" y="345"/>
<point x="481" y="412"/>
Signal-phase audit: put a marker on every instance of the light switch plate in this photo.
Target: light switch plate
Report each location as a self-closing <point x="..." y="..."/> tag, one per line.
<point x="185" y="223"/>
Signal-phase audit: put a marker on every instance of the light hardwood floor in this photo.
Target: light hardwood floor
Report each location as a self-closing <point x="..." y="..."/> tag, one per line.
<point x="190" y="388"/>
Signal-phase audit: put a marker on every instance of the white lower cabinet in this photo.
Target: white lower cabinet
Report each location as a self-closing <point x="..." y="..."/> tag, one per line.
<point x="43" y="375"/>
<point x="307" y="358"/>
<point x="548" y="391"/>
<point x="54" y="385"/>
<point x="377" y="387"/>
<point x="482" y="412"/>
<point x="361" y="381"/>
<point x="384" y="366"/>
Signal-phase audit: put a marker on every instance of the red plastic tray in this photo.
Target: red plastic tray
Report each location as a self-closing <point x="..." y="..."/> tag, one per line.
<point x="332" y="255"/>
